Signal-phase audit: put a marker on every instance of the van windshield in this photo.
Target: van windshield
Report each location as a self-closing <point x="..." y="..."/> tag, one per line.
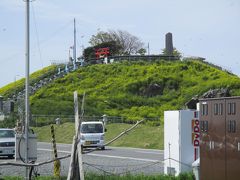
<point x="91" y="128"/>
<point x="7" y="134"/>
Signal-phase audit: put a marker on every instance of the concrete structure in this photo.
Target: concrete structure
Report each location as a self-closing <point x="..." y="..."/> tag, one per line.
<point x="2" y="117"/>
<point x="8" y="107"/>
<point x="220" y="138"/>
<point x="32" y="153"/>
<point x="169" y="44"/>
<point x="181" y="140"/>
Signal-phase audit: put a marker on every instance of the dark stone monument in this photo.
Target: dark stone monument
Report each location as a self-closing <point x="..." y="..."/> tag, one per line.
<point x="1" y="103"/>
<point x="169" y="44"/>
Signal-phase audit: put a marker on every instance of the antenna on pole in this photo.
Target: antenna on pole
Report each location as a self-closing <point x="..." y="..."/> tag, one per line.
<point x="74" y="47"/>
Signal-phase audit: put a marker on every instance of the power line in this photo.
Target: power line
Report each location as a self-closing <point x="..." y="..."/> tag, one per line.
<point x="37" y="35"/>
<point x="56" y="32"/>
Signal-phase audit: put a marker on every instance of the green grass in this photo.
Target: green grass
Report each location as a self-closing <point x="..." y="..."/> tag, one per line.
<point x="184" y="176"/>
<point x="38" y="178"/>
<point x="92" y="176"/>
<point x="143" y="136"/>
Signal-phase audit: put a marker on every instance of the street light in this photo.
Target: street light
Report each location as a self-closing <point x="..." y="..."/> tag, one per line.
<point x="15" y="77"/>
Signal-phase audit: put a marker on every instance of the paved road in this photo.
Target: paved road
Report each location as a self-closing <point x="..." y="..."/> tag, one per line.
<point x="112" y="160"/>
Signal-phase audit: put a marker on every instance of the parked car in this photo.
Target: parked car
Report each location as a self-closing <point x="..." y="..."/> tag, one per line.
<point x="7" y="142"/>
<point x="92" y="134"/>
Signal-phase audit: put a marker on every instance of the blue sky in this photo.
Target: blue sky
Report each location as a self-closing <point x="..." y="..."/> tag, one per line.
<point x="206" y="28"/>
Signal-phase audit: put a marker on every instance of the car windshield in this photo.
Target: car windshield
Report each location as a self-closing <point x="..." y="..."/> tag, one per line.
<point x="7" y="134"/>
<point x="91" y="128"/>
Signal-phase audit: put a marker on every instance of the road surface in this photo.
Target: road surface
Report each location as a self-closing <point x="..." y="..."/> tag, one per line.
<point x="113" y="160"/>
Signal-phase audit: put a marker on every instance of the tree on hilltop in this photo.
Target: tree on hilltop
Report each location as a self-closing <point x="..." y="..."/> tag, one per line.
<point x="126" y="42"/>
<point x="175" y="52"/>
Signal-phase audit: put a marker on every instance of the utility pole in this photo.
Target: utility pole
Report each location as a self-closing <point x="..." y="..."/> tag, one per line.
<point x="27" y="84"/>
<point x="74" y="47"/>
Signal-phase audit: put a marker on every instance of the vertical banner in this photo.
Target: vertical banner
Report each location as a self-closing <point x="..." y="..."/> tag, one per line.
<point x="196" y="134"/>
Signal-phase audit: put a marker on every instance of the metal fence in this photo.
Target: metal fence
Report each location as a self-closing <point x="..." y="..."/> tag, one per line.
<point x="43" y="120"/>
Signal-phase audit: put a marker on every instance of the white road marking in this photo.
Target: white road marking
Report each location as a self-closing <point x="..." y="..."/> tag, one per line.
<point x="122" y="157"/>
<point x="50" y="150"/>
<point x="58" y="144"/>
<point x="145" y="152"/>
<point x="107" y="156"/>
<point x="141" y="149"/>
<point x="111" y="147"/>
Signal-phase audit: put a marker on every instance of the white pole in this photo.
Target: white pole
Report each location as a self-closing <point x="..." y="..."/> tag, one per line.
<point x="169" y="148"/>
<point x="75" y="48"/>
<point x="27" y="85"/>
<point x="148" y="49"/>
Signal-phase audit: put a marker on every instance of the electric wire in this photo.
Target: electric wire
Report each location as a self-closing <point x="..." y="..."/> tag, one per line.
<point x="146" y="165"/>
<point x="100" y="169"/>
<point x="140" y="168"/>
<point x="19" y="144"/>
<point x="124" y="165"/>
<point x="37" y="34"/>
<point x="121" y="173"/>
<point x="56" y="32"/>
<point x="13" y="58"/>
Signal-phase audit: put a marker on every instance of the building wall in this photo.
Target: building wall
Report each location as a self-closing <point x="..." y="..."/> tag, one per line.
<point x="220" y="133"/>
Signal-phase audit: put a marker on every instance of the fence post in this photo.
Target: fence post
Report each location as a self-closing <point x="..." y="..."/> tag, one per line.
<point x="76" y="164"/>
<point x="77" y="127"/>
<point x="71" y="167"/>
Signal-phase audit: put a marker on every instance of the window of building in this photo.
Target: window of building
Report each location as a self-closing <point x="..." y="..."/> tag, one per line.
<point x="231" y="108"/>
<point x="221" y="109"/>
<point x="216" y="109"/>
<point x="204" y="109"/>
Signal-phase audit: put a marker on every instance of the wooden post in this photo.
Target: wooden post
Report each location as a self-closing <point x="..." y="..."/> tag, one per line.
<point x="76" y="113"/>
<point x="57" y="164"/>
<point x="77" y="126"/>
<point x="78" y="121"/>
<point x="72" y="161"/>
<point x="76" y="164"/>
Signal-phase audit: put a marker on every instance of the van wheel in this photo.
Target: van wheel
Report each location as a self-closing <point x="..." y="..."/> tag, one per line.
<point x="103" y="148"/>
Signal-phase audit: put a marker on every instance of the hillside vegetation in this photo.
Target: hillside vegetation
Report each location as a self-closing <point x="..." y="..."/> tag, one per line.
<point x="10" y="89"/>
<point x="132" y="89"/>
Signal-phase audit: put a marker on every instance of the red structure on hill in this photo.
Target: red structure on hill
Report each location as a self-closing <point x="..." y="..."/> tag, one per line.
<point x="102" y="52"/>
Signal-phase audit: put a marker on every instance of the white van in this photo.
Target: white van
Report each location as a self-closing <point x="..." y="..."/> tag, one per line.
<point x="7" y="142"/>
<point x="92" y="134"/>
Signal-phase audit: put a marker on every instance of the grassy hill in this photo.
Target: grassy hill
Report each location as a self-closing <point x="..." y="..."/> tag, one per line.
<point x="130" y="89"/>
<point x="134" y="90"/>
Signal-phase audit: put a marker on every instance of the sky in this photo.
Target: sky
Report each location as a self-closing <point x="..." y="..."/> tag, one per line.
<point x="206" y="28"/>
